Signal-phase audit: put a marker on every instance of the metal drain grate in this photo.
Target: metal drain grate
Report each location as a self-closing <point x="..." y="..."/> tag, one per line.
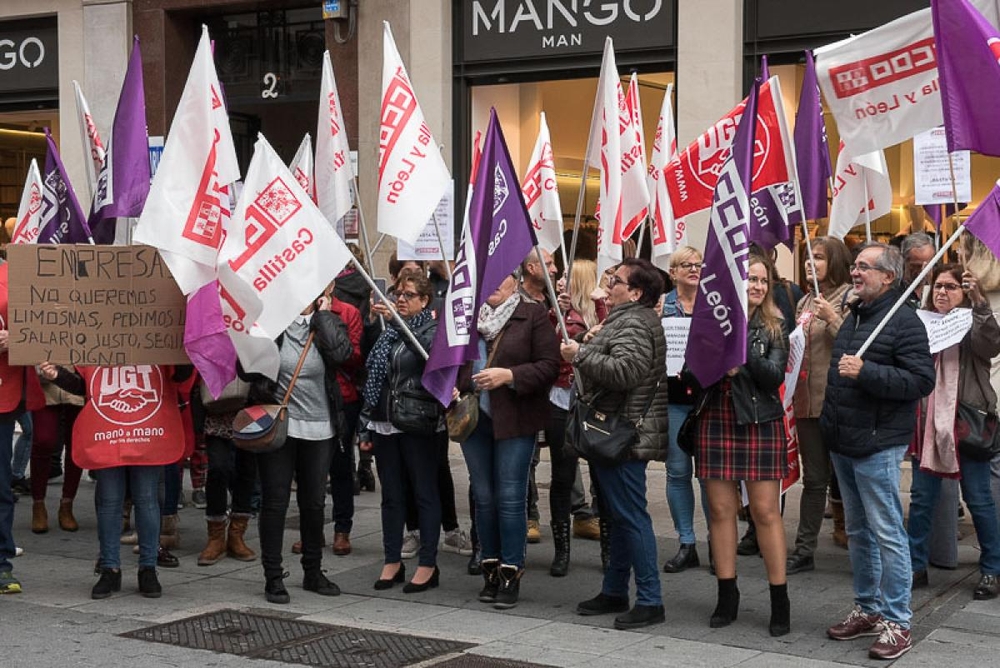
<point x="477" y="661"/>
<point x="261" y="636"/>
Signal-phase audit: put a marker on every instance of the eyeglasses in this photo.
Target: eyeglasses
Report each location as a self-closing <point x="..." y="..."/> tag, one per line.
<point x="756" y="280"/>
<point x="947" y="287"/>
<point x="407" y="295"/>
<point x="615" y="280"/>
<point x="863" y="267"/>
<point x="688" y="266"/>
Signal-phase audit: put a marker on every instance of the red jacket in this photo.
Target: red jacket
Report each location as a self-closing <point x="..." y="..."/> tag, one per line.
<point x="347" y="372"/>
<point x="11" y="377"/>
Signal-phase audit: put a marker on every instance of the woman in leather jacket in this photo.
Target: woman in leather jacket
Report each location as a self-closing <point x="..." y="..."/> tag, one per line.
<point x="741" y="436"/>
<point x="402" y="423"/>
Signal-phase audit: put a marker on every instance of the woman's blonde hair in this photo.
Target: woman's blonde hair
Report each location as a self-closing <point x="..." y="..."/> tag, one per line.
<point x="981" y="261"/>
<point x="770" y="314"/>
<point x="682" y="255"/>
<point x="583" y="281"/>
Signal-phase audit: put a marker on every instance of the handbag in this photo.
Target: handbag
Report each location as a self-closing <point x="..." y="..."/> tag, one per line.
<point x="976" y="434"/>
<point x="602" y="438"/>
<point x="463" y="415"/>
<point x="233" y="397"/>
<point x="687" y="433"/>
<point x="264" y="427"/>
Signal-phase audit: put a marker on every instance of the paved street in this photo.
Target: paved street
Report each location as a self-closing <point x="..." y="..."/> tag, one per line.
<point x="55" y="623"/>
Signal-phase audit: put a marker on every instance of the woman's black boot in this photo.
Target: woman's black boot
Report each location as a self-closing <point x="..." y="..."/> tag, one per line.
<point x="728" y="606"/>
<point x="560" y="538"/>
<point x="781" y="611"/>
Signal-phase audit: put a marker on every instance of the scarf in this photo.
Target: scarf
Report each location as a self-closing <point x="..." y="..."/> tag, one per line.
<point x="938" y="455"/>
<point x="492" y="319"/>
<point x="378" y="359"/>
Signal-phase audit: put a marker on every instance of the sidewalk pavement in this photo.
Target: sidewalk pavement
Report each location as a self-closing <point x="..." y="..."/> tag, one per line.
<point x="55" y="623"/>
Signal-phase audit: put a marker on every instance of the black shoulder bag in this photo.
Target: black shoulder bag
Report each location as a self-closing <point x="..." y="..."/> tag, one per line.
<point x="604" y="439"/>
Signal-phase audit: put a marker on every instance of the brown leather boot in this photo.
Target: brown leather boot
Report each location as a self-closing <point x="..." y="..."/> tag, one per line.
<point x="839" y="532"/>
<point x="170" y="538"/>
<point x="341" y="543"/>
<point x="66" y="520"/>
<point x="39" y="517"/>
<point x="235" y="545"/>
<point x="215" y="549"/>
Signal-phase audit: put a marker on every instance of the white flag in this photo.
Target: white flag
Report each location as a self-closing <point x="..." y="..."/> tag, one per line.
<point x="882" y="85"/>
<point x="635" y="194"/>
<point x="334" y="172"/>
<point x="188" y="201"/>
<point x="29" y="213"/>
<point x="279" y="255"/>
<point x="412" y="176"/>
<point x="541" y="192"/>
<point x="666" y="234"/>
<point x="302" y="167"/>
<point x="91" y="138"/>
<point x="605" y="134"/>
<point x="849" y="190"/>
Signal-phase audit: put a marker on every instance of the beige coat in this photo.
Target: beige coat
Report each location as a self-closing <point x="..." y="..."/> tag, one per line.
<point x="810" y="390"/>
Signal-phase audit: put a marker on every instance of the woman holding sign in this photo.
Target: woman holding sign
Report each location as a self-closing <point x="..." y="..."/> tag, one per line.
<point x="940" y="451"/>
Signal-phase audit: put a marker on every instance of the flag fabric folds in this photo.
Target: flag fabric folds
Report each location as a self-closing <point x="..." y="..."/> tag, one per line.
<point x="717" y="339"/>
<point x="29" y="213"/>
<point x="412" y="176"/>
<point x="188" y="202"/>
<point x="494" y="243"/>
<point x="860" y="183"/>
<point x="606" y="155"/>
<point x="667" y="234"/>
<point x="301" y="167"/>
<point x="334" y="171"/>
<point x="635" y="193"/>
<point x="91" y="137"/>
<point x="541" y="192"/>
<point x="61" y="218"/>
<point x="812" y="153"/>
<point x="984" y="222"/>
<point x="968" y="49"/>
<point x="123" y="181"/>
<point x="207" y="341"/>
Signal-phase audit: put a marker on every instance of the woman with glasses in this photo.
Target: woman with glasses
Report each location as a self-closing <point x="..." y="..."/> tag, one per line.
<point x="402" y="424"/>
<point x="741" y="437"/>
<point x="963" y="377"/>
<point x="682" y="390"/>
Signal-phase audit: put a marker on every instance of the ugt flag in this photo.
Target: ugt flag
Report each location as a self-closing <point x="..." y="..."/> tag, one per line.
<point x="497" y="239"/>
<point x="334" y="172"/>
<point x="302" y="167"/>
<point x="62" y="220"/>
<point x="541" y="192"/>
<point x="123" y="182"/>
<point x="412" y="176"/>
<point x="812" y="153"/>
<point x="968" y="49"/>
<point x="984" y="222"/>
<point x="717" y="341"/>
<point x="188" y="202"/>
<point x="29" y="213"/>
<point x="861" y="184"/>
<point x="95" y="149"/>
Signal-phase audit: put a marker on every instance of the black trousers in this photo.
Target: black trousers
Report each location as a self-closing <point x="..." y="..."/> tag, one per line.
<point x="229" y="470"/>
<point x="342" y="471"/>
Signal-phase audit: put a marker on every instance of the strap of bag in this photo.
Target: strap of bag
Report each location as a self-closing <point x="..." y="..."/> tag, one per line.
<point x="298" y="368"/>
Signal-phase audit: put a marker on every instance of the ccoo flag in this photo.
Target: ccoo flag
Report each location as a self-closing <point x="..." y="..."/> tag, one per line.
<point x="968" y="49"/>
<point x="541" y="192"/>
<point x="62" y="219"/>
<point x="334" y="171"/>
<point x="499" y="236"/>
<point x="123" y="182"/>
<point x="95" y="149"/>
<point x="301" y="167"/>
<point x="29" y="213"/>
<point x="717" y="340"/>
<point x="860" y="183"/>
<point x="412" y="176"/>
<point x="984" y="222"/>
<point x="811" y="149"/>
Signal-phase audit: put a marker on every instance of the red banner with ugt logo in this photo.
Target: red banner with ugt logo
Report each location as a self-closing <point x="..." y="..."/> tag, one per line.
<point x="130" y="418"/>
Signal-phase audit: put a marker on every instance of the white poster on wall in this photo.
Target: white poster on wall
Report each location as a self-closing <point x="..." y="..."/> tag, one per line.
<point x="932" y="174"/>
<point x="427" y="247"/>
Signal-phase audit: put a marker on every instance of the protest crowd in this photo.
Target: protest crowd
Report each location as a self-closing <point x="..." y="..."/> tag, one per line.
<point x="302" y="375"/>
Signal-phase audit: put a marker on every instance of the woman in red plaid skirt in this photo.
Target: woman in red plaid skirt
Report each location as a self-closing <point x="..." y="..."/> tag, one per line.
<point x="741" y="436"/>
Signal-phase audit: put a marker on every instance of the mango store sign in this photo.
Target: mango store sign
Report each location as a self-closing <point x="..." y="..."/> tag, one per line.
<point x="93" y="306"/>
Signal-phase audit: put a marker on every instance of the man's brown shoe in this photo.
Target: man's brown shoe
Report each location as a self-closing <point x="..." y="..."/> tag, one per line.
<point x="341" y="544"/>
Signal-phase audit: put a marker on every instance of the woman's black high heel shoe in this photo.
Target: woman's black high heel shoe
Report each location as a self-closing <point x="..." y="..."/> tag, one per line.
<point x="728" y="606"/>
<point x="400" y="576"/>
<point x="411" y="588"/>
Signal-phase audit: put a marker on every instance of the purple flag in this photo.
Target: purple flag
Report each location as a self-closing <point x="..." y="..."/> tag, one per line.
<point x="718" y="338"/>
<point x="765" y="73"/>
<point x="123" y="183"/>
<point x="774" y="211"/>
<point x="933" y="212"/>
<point x="497" y="238"/>
<point x="811" y="148"/>
<point x="206" y="339"/>
<point x="62" y="220"/>
<point x="985" y="220"/>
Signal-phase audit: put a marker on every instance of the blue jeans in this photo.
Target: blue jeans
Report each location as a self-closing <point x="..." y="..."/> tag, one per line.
<point x="22" y="449"/>
<point x="7" y="497"/>
<point x="144" y="482"/>
<point x="975" y="484"/>
<point x="680" y="478"/>
<point x="879" y="547"/>
<point x="414" y="458"/>
<point x="633" y="544"/>
<point x="498" y="472"/>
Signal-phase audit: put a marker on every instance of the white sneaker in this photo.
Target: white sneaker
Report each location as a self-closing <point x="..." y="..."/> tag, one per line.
<point x="457" y="541"/>
<point x="18" y="551"/>
<point x="411" y="545"/>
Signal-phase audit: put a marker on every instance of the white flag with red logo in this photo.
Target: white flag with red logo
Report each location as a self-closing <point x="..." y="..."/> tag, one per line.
<point x="91" y="138"/>
<point x="334" y="171"/>
<point x="279" y="255"/>
<point x="859" y="183"/>
<point x="635" y="193"/>
<point x="666" y="233"/>
<point x="606" y="138"/>
<point x="541" y="192"/>
<point x="302" y="167"/>
<point x="412" y="176"/>
<point x="29" y="214"/>
<point x="188" y="200"/>
<point x="882" y="85"/>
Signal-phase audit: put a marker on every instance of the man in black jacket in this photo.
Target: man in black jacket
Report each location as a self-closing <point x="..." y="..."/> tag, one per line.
<point x="868" y="419"/>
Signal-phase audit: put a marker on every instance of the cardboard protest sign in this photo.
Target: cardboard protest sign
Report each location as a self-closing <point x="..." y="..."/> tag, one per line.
<point x="82" y="304"/>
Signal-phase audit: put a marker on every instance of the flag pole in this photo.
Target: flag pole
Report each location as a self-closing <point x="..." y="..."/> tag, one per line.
<point x="363" y="233"/>
<point x="583" y="187"/>
<point x="552" y="294"/>
<point x="913" y="286"/>
<point x="954" y="193"/>
<point x="378" y="242"/>
<point x="868" y="213"/>
<point x="805" y="232"/>
<point x="407" y="332"/>
<point x="642" y="236"/>
<point x="437" y="233"/>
